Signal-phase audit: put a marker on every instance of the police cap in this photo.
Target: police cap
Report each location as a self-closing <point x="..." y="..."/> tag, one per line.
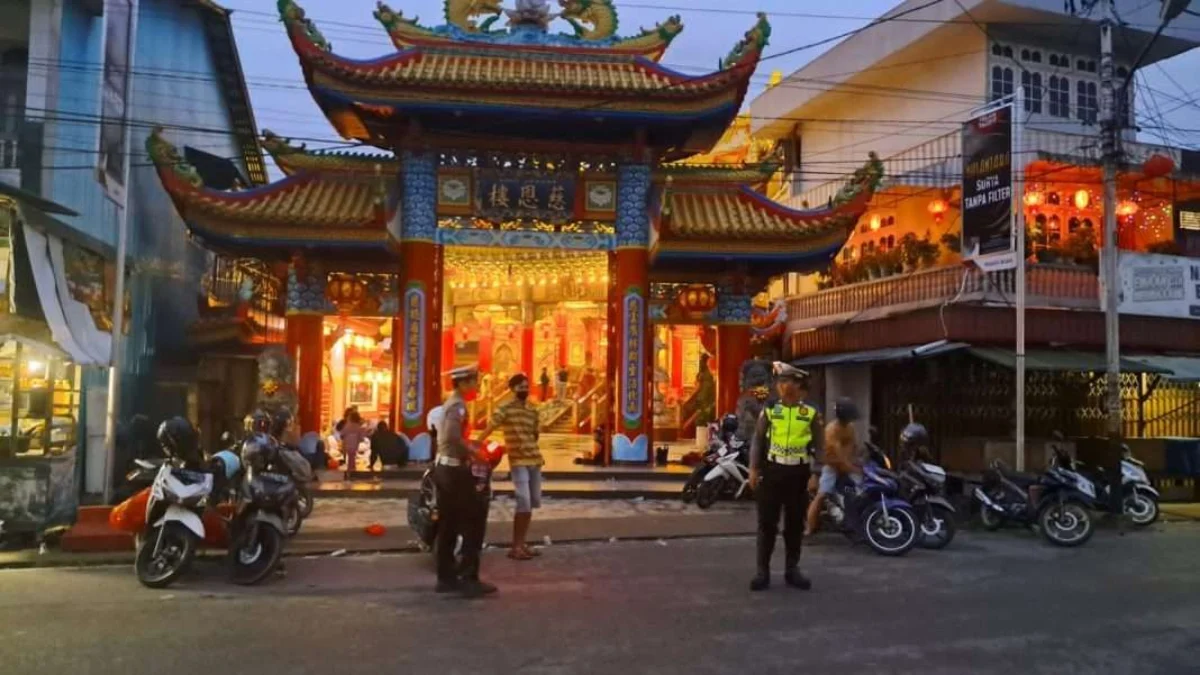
<point x="464" y="373"/>
<point x="786" y="371"/>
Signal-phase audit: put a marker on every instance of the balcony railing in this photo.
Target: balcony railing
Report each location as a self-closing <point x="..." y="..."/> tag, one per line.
<point x="1058" y="286"/>
<point x="237" y="286"/>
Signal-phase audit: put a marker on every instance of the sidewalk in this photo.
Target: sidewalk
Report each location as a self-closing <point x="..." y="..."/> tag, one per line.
<point x="338" y="526"/>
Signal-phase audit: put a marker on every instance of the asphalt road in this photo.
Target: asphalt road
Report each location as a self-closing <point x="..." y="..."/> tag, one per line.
<point x="993" y="603"/>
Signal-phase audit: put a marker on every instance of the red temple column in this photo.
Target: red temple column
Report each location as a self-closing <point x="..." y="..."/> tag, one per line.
<point x="634" y="418"/>
<point x="561" y="330"/>
<point x="733" y="349"/>
<point x="448" y="339"/>
<point x="420" y="275"/>
<point x="306" y="348"/>
<point x="527" y="352"/>
<point x="487" y="345"/>
<point x="733" y="345"/>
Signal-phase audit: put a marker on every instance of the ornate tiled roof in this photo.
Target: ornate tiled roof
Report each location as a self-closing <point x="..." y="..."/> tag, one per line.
<point x="472" y="78"/>
<point x="293" y="159"/>
<point x="303" y="210"/>
<point x="739" y="214"/>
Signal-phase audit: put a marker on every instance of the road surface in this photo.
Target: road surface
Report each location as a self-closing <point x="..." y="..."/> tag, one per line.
<point x="993" y="603"/>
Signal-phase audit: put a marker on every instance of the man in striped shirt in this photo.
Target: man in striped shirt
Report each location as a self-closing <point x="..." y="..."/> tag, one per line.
<point x="519" y="420"/>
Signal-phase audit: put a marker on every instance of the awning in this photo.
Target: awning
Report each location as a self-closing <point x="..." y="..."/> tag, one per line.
<point x="1182" y="368"/>
<point x="1062" y="360"/>
<point x="881" y="355"/>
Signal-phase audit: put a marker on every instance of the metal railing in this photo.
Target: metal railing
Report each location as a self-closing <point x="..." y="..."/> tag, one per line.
<point x="236" y="285"/>
<point x="1047" y="286"/>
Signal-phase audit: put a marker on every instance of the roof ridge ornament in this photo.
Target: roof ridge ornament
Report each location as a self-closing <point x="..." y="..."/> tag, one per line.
<point x="165" y="156"/>
<point x="750" y="47"/>
<point x="292" y="14"/>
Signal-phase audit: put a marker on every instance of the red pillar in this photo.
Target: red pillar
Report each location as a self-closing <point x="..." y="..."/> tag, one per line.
<point x="634" y="420"/>
<point x="527" y="353"/>
<point x="733" y="349"/>
<point x="487" y="345"/>
<point x="306" y="348"/>
<point x="447" y="355"/>
<point x="418" y="365"/>
<point x="676" y="347"/>
<point x="560" y="327"/>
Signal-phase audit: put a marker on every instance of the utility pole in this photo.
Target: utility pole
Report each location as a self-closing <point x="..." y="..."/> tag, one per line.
<point x="1109" y="268"/>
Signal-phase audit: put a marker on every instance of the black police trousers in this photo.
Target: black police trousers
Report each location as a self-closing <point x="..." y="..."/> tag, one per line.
<point x="783" y="488"/>
<point x="462" y="512"/>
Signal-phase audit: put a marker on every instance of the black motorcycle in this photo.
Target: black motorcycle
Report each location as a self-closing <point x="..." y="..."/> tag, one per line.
<point x="423" y="504"/>
<point x="1057" y="502"/>
<point x="257" y="530"/>
<point x="923" y="484"/>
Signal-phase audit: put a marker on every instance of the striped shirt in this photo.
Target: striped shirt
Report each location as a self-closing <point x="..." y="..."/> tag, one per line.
<point x="519" y="421"/>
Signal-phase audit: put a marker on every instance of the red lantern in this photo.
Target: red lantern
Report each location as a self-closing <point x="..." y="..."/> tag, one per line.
<point x="1157" y="166"/>
<point x="696" y="299"/>
<point x="345" y="291"/>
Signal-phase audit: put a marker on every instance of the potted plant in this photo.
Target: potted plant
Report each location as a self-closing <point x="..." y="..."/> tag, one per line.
<point x="1080" y="247"/>
<point x="952" y="241"/>
<point x="873" y="264"/>
<point x="927" y="252"/>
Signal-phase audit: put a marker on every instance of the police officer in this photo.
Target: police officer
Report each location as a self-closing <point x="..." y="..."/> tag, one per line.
<point x="462" y="511"/>
<point x="780" y="453"/>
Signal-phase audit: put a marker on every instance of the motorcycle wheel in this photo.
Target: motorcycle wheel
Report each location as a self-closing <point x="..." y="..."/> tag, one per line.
<point x="1067" y="524"/>
<point x="707" y="493"/>
<point x="293" y="519"/>
<point x="893" y="535"/>
<point x="689" y="490"/>
<point x="306" y="501"/>
<point x="937" y="528"/>
<point x="175" y="555"/>
<point x="991" y="520"/>
<point x="256" y="555"/>
<point x="1142" y="509"/>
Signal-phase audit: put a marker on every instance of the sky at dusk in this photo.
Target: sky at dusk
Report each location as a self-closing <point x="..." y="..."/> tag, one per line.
<point x="283" y="104"/>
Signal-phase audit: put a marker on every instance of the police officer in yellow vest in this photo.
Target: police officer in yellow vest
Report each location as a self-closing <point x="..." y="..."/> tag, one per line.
<point x="780" y="454"/>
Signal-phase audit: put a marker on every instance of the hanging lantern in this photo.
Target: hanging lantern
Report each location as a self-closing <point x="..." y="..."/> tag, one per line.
<point x="1126" y="208"/>
<point x="1157" y="166"/>
<point x="876" y="222"/>
<point x="345" y="291"/>
<point x="1034" y="198"/>
<point x="1082" y="199"/>
<point x="696" y="299"/>
<point x="938" y="208"/>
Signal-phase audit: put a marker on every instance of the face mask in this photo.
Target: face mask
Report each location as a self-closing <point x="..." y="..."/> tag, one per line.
<point x="521" y="395"/>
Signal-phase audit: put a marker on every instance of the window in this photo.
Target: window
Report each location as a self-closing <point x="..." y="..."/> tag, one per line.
<point x="1072" y="225"/>
<point x="1024" y="54"/>
<point x="1122" y="72"/>
<point x="1086" y="102"/>
<point x="1053" y="199"/>
<point x="1060" y="97"/>
<point x="1031" y="84"/>
<point x="1037" y="56"/>
<point x="996" y="50"/>
<point x="1008" y="52"/>
<point x="1002" y="82"/>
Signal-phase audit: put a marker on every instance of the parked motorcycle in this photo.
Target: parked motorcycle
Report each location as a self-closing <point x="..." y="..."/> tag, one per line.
<point x="173" y="529"/>
<point x="718" y="435"/>
<point x="257" y="529"/>
<point x="1139" y="499"/>
<point x="423" y="504"/>
<point x="874" y="511"/>
<point x="924" y="486"/>
<point x="1057" y="501"/>
<point x="728" y="476"/>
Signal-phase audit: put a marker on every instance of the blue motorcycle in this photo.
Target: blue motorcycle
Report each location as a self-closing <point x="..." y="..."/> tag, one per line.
<point x="874" y="510"/>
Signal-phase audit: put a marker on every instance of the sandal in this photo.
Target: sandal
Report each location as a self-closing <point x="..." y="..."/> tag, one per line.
<point x="532" y="552"/>
<point x="519" y="554"/>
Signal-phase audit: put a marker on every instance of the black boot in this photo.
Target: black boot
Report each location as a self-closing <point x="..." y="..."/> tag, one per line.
<point x="795" y="579"/>
<point x="761" y="581"/>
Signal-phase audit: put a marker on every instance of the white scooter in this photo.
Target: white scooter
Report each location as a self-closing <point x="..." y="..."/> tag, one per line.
<point x="174" y="529"/>
<point x="729" y="477"/>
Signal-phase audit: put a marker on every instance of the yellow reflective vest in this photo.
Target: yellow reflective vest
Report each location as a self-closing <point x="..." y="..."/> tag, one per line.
<point x="790" y="433"/>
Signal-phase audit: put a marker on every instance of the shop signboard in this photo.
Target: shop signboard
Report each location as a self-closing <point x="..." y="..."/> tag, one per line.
<point x="987" y="189"/>
<point x="1159" y="285"/>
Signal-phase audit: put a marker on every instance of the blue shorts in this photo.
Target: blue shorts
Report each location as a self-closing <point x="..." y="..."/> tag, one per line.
<point x="527" y="484"/>
<point x="829" y="477"/>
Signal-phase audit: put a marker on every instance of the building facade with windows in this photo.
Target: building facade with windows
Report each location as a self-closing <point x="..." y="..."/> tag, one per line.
<point x="898" y="321"/>
<point x="78" y="80"/>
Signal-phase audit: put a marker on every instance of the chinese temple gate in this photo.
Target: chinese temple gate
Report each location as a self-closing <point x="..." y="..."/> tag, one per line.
<point x="542" y="201"/>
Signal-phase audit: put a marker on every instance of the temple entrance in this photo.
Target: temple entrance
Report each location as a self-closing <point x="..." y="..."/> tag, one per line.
<point x="538" y="312"/>
<point x="357" y="369"/>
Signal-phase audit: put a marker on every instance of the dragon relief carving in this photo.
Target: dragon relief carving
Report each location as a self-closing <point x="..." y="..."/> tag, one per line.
<point x="278" y="145"/>
<point x="755" y="40"/>
<point x="463" y="14"/>
<point x="591" y="19"/>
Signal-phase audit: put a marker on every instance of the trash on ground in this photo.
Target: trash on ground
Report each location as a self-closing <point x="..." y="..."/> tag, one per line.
<point x="338" y="553"/>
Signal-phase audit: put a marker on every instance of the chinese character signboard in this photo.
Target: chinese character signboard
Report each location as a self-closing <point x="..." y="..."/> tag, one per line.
<point x="987" y="189"/>
<point x="507" y="195"/>
<point x="632" y="356"/>
<point x="412" y="363"/>
<point x="1159" y="285"/>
